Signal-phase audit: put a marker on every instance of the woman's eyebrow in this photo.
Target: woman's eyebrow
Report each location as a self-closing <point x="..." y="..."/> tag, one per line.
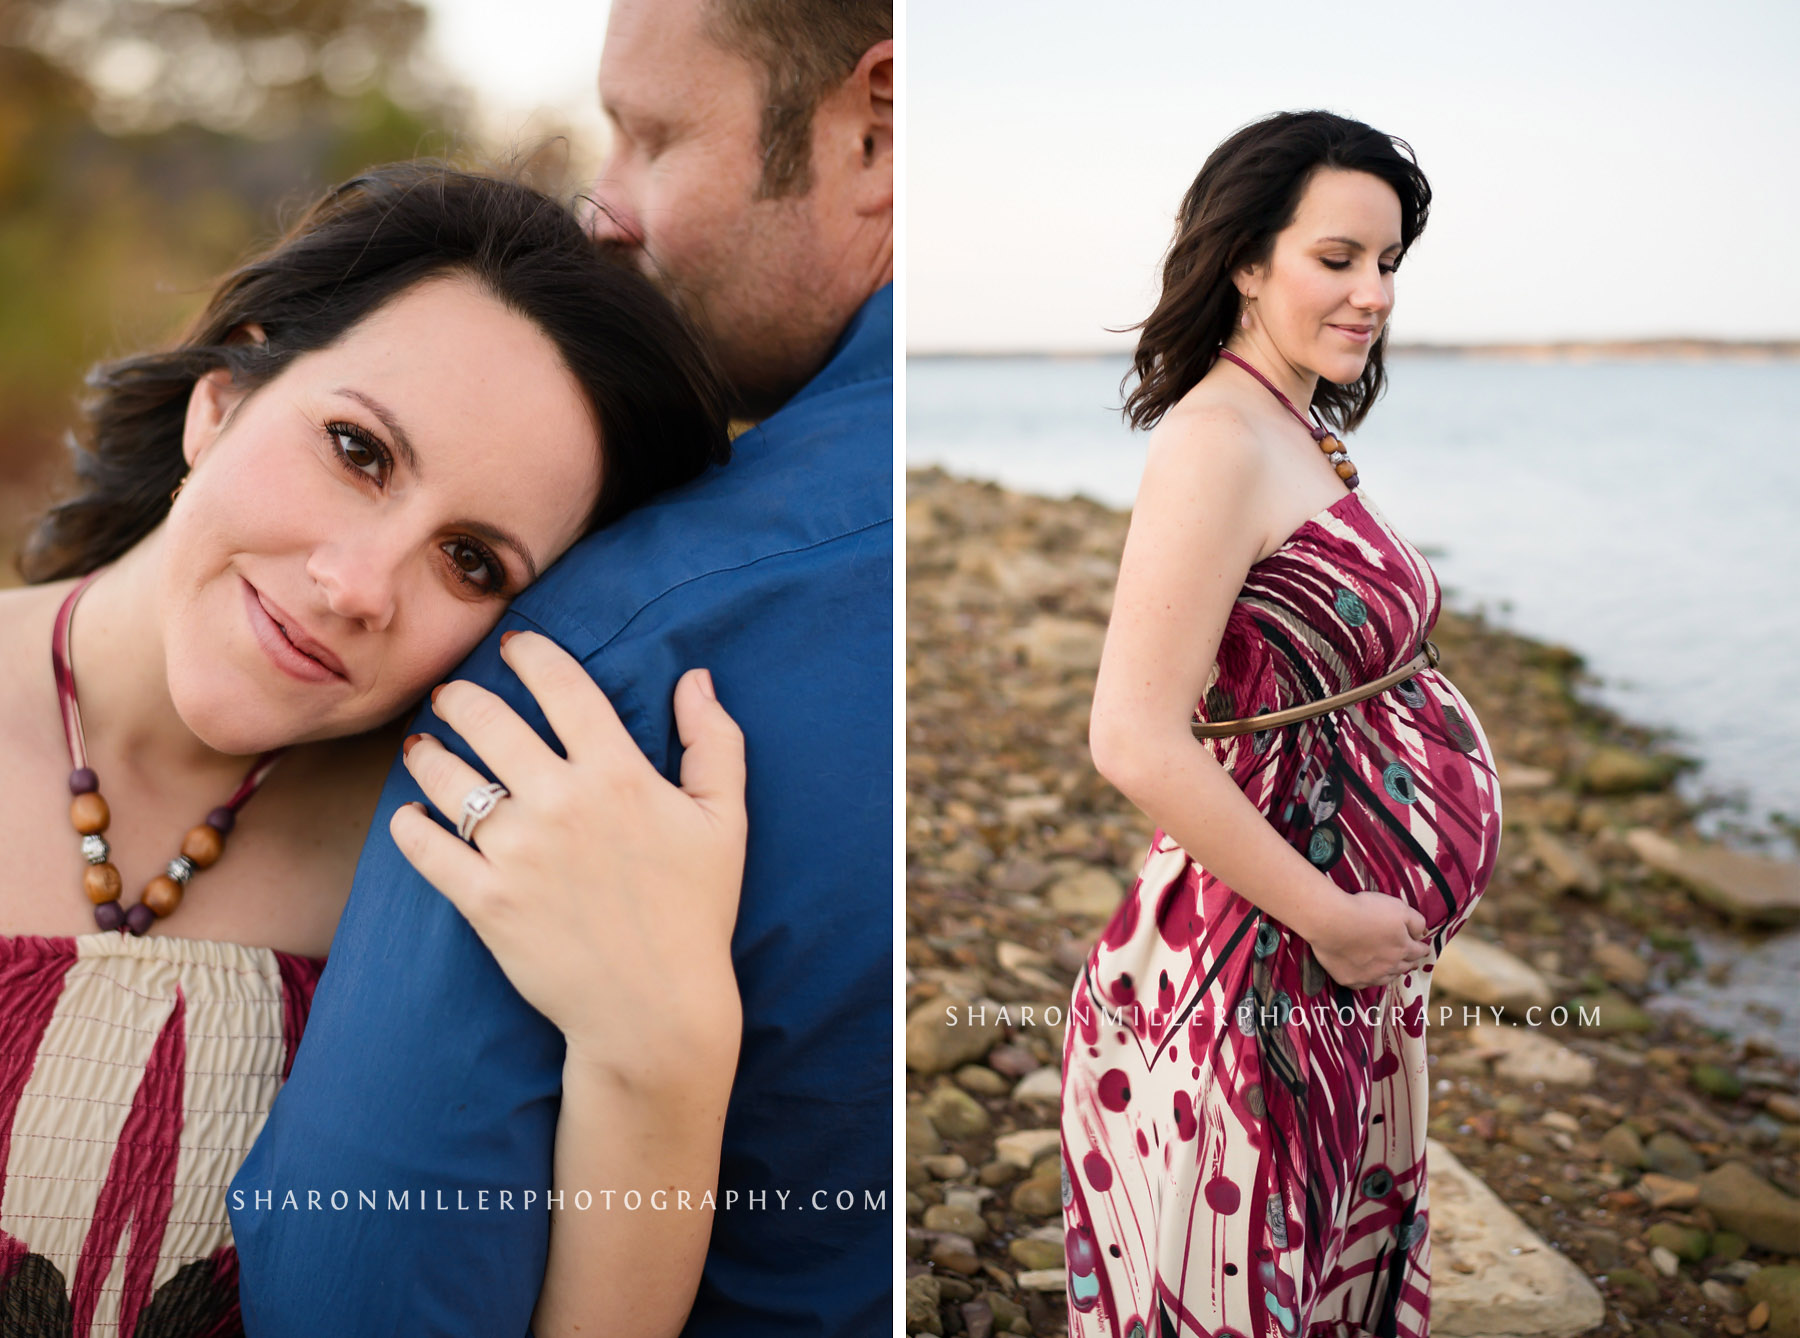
<point x="392" y="424"/>
<point x="1355" y="245"/>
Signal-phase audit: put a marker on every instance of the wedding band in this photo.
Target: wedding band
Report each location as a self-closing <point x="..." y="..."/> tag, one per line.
<point x="476" y="805"/>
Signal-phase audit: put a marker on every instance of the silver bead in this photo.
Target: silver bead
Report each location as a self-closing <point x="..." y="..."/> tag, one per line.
<point x="181" y="868"/>
<point x="1338" y="457"/>
<point x="95" y="850"/>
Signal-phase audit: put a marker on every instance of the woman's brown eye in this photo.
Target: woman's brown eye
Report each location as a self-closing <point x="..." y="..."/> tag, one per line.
<point x="475" y="566"/>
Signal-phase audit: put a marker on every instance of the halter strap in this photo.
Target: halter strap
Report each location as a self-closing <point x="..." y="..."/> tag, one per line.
<point x="1319" y="430"/>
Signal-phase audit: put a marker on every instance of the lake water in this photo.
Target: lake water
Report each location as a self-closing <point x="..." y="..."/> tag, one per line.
<point x="1646" y="514"/>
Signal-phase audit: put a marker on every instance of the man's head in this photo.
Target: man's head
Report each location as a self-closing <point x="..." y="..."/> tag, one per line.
<point x="752" y="170"/>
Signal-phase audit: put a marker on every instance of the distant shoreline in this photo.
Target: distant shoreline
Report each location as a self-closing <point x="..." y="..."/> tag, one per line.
<point x="1567" y="350"/>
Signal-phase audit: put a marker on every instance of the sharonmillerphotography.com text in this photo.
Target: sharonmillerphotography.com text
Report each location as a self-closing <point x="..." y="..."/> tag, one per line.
<point x="1278" y="1011"/>
<point x="538" y="1200"/>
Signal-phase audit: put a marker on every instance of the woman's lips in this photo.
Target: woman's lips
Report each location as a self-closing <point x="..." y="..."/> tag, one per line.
<point x="1355" y="335"/>
<point x="288" y="657"/>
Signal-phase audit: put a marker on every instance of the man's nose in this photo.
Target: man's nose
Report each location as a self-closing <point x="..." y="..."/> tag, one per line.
<point x="611" y="221"/>
<point x="359" y="580"/>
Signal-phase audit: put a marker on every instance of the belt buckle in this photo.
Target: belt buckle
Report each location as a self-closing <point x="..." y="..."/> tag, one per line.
<point x="1431" y="653"/>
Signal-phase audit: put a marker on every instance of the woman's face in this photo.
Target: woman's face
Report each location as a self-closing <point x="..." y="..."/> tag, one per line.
<point x="1324" y="297"/>
<point x="353" y="528"/>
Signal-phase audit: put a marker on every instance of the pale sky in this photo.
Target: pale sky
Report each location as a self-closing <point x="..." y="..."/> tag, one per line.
<point x="1600" y="168"/>
<point x="523" y="59"/>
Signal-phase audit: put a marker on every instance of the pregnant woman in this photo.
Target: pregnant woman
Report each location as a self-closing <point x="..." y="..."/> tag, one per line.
<point x="294" y="523"/>
<point x="1244" y="1092"/>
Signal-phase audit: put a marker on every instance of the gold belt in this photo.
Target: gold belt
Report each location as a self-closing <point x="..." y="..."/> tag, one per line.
<point x="1215" y="729"/>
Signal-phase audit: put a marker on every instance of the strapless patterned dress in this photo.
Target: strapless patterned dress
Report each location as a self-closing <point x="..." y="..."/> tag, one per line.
<point x="134" y="1075"/>
<point x="1243" y="1139"/>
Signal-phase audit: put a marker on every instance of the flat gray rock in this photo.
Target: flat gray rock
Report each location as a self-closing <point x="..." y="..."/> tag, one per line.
<point x="1481" y="1288"/>
<point x="1746" y="887"/>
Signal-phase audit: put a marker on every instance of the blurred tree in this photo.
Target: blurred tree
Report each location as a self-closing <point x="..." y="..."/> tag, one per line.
<point x="239" y="66"/>
<point x="145" y="145"/>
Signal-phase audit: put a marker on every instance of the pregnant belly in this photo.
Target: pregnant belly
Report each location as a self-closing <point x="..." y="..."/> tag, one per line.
<point x="1402" y="800"/>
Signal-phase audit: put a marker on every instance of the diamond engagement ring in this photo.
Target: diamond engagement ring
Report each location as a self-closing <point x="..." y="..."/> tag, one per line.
<point x="476" y="805"/>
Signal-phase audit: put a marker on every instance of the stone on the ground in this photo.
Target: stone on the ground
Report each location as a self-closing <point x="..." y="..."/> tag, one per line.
<point x="1740" y="1200"/>
<point x="942" y="1034"/>
<point x="922" y="1296"/>
<point x="1085" y="890"/>
<point x="922" y="1138"/>
<point x="1530" y="1056"/>
<point x="1665" y="1191"/>
<point x="1779" y="1289"/>
<point x="1611" y="769"/>
<point x="1025" y="1147"/>
<point x="1622" y="1147"/>
<point x="1483" y="1287"/>
<point x="1029" y="1252"/>
<point x="1041" y="1194"/>
<point x="1485" y="973"/>
<point x="1609" y="1014"/>
<point x="955" y="1114"/>
<point x="1044" y="1087"/>
<point x="1043" y="1280"/>
<point x="1066" y="644"/>
<point x="1619" y="964"/>
<point x="981" y="1080"/>
<point x="1671" y="1154"/>
<point x="958" y="1219"/>
<point x="1517" y="778"/>
<point x="1745" y="887"/>
<point x="1684" y="1242"/>
<point x="1566" y="868"/>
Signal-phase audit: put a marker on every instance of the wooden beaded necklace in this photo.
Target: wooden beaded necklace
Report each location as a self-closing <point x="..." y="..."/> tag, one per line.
<point x="1340" y="459"/>
<point x="200" y="848"/>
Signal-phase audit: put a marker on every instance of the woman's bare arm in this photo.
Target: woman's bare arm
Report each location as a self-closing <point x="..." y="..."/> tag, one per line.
<point x="652" y="1142"/>
<point x="1193" y="539"/>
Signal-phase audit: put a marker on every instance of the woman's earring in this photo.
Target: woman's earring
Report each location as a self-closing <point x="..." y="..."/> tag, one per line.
<point x="178" y="487"/>
<point x="1244" y="320"/>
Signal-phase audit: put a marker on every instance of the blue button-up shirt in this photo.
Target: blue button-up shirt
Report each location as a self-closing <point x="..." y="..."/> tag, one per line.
<point x="423" y="1073"/>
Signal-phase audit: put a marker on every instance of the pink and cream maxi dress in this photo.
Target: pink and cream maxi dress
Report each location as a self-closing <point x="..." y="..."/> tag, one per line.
<point x="1243" y="1139"/>
<point x="134" y="1075"/>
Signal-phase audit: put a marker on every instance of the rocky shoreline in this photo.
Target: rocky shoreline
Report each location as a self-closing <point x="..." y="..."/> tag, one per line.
<point x="1660" y="1160"/>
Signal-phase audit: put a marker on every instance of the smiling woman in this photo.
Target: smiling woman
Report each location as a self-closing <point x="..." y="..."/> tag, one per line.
<point x="294" y="523"/>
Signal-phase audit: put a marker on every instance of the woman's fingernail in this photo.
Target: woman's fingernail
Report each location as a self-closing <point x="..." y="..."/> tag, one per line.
<point x="434" y="693"/>
<point x="508" y="636"/>
<point x="706" y="685"/>
<point x="407" y="747"/>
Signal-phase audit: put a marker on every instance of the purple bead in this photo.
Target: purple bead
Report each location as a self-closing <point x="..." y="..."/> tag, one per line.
<point x="109" y="915"/>
<point x="139" y="919"/>
<point x="83" y="781"/>
<point x="1353" y="480"/>
<point x="221" y="820"/>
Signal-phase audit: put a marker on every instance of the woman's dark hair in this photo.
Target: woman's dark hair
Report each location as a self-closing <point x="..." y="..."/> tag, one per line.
<point x="659" y="401"/>
<point x="1249" y="190"/>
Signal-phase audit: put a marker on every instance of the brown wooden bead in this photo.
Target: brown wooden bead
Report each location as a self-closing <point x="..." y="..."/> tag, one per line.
<point x="203" y="845"/>
<point x="162" y="894"/>
<point x="1329" y="443"/>
<point x="1345" y="469"/>
<point x="102" y="883"/>
<point x="89" y="813"/>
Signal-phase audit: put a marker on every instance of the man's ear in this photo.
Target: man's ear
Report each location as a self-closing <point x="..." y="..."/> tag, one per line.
<point x="872" y="83"/>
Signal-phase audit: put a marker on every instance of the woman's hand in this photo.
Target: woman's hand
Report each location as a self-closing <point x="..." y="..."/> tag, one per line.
<point x="607" y="895"/>
<point x="1367" y="939"/>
